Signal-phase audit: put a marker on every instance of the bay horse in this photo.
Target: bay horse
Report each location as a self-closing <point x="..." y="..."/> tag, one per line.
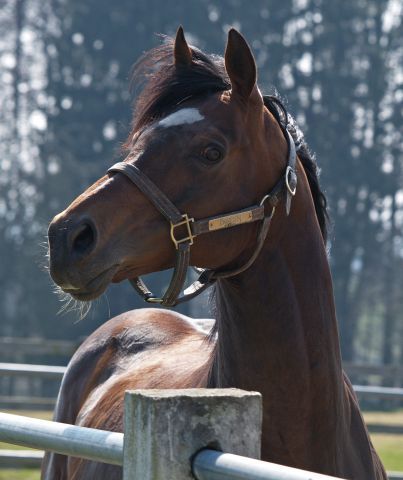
<point x="206" y="142"/>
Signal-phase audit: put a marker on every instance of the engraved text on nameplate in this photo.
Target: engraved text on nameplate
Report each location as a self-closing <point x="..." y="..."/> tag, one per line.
<point x="230" y="220"/>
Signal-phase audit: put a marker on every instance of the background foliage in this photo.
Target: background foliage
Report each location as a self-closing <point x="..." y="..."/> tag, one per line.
<point x="65" y="109"/>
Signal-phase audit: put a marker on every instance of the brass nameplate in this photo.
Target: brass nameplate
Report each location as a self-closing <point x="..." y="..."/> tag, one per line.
<point x="230" y="220"/>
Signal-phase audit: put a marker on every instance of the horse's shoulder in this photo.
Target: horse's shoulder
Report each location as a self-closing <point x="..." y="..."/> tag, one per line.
<point x="112" y="345"/>
<point x="137" y="330"/>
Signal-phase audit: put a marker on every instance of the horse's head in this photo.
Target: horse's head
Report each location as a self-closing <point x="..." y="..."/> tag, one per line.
<point x="203" y="136"/>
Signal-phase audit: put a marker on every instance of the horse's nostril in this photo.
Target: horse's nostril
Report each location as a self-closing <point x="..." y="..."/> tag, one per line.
<point x="83" y="239"/>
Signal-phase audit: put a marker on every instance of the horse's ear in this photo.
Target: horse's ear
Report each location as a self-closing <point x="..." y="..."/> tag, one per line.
<point x="240" y="65"/>
<point x="182" y="51"/>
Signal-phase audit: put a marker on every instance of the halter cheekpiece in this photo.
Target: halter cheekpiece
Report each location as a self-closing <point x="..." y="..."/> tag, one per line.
<point x="190" y="228"/>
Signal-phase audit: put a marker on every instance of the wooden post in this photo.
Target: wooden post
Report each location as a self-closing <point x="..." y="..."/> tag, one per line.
<point x="165" y="428"/>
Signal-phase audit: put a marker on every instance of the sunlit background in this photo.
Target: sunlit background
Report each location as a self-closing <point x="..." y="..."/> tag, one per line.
<point x="65" y="110"/>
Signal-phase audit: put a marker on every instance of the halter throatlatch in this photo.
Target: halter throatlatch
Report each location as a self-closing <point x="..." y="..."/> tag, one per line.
<point x="185" y="229"/>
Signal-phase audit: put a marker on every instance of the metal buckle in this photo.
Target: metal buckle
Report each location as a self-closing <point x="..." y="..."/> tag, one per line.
<point x="190" y="237"/>
<point x="287" y="183"/>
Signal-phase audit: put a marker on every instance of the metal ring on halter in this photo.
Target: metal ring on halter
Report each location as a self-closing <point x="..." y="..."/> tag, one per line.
<point x="273" y="208"/>
<point x="290" y="171"/>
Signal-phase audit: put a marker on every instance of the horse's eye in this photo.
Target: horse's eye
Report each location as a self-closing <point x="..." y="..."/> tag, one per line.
<point x="212" y="154"/>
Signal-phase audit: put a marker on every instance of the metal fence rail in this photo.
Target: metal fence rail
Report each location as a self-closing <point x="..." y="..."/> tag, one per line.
<point x="29" y="370"/>
<point x="36" y="346"/>
<point x="213" y="465"/>
<point x="89" y="443"/>
<point x="378" y="392"/>
<point x="109" y="447"/>
<point x="103" y="446"/>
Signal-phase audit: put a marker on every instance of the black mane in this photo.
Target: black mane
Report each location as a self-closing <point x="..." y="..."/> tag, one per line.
<point x="164" y="86"/>
<point x="277" y="108"/>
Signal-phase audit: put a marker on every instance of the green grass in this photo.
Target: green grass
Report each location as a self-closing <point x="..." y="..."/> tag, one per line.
<point x="389" y="447"/>
<point x="30" y="474"/>
<point x="43" y="415"/>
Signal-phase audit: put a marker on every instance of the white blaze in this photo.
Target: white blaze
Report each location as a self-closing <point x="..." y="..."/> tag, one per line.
<point x="181" y="117"/>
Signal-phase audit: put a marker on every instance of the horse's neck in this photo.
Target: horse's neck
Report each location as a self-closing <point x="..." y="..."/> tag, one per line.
<point x="277" y="334"/>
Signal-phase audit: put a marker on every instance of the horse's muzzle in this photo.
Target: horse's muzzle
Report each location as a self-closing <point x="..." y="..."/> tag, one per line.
<point x="71" y="242"/>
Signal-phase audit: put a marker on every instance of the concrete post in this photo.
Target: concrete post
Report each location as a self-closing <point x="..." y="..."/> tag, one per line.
<point x="165" y="428"/>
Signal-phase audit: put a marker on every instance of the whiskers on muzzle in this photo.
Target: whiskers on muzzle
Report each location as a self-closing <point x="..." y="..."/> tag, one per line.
<point x="43" y="262"/>
<point x="70" y="304"/>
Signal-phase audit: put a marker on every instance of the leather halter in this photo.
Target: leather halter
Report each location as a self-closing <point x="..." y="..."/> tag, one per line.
<point x="192" y="228"/>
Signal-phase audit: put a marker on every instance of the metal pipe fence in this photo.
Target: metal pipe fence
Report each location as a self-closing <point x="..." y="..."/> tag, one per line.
<point x="29" y="370"/>
<point x="111" y="447"/>
<point x="107" y="447"/>
<point x="378" y="392"/>
<point x="89" y="443"/>
<point x="213" y="465"/>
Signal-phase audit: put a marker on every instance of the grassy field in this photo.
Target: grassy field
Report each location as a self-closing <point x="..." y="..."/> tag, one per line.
<point x="19" y="474"/>
<point x="389" y="447"/>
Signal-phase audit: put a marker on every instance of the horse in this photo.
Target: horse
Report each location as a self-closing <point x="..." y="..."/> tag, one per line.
<point x="205" y="141"/>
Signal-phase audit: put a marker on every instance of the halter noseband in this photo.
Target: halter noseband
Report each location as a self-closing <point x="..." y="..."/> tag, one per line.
<point x="192" y="228"/>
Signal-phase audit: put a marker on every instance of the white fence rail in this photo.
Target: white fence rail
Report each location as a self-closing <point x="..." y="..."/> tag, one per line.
<point x="29" y="374"/>
<point x="29" y="370"/>
<point x="19" y="347"/>
<point x="378" y="392"/>
<point x="56" y="373"/>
